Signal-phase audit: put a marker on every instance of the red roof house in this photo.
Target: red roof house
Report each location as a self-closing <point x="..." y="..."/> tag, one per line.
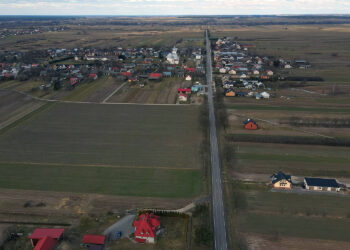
<point x="155" y="76"/>
<point x="73" y="81"/>
<point x="93" y="76"/>
<point x="190" y="69"/>
<point x="146" y="228"/>
<point x="94" y="241"/>
<point x="126" y="73"/>
<point x="250" y="124"/>
<point x="184" y="90"/>
<point x="45" y="238"/>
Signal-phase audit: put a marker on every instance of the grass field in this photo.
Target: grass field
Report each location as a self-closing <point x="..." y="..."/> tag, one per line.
<point x="121" y="149"/>
<point x="95" y="90"/>
<point x="286" y="225"/>
<point x="299" y="160"/>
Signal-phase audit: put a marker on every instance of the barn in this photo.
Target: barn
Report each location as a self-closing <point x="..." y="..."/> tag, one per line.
<point x="320" y="184"/>
<point x="250" y="124"/>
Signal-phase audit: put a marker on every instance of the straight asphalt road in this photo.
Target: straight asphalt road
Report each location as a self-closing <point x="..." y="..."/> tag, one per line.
<point x="220" y="234"/>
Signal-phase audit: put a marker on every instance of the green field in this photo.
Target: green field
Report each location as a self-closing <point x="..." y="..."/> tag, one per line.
<point x="299" y="160"/>
<point x="109" y="149"/>
<point x="146" y="182"/>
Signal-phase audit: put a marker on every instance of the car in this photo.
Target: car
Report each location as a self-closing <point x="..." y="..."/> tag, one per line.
<point x="119" y="234"/>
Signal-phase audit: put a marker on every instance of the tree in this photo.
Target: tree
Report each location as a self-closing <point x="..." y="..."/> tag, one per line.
<point x="203" y="236"/>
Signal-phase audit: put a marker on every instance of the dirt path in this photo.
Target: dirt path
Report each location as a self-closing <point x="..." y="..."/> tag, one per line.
<point x="114" y="92"/>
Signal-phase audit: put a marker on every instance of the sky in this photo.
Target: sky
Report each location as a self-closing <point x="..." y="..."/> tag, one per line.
<point x="172" y="7"/>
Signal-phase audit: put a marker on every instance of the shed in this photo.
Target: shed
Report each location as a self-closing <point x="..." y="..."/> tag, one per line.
<point x="94" y="241"/>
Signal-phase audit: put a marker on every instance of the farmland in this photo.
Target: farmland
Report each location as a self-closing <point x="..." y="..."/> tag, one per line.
<point x="294" y="127"/>
<point x="124" y="143"/>
<point x="162" y="92"/>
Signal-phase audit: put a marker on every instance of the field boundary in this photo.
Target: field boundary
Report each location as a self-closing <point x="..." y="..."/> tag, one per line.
<point x="92" y="165"/>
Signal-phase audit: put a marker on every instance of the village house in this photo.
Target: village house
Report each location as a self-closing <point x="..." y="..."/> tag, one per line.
<point x="46" y="238"/>
<point x="250" y="124"/>
<point x="147" y="228"/>
<point x="184" y="90"/>
<point x="320" y="184"/>
<point x="188" y="78"/>
<point x="155" y="76"/>
<point x="94" y="242"/>
<point x="182" y="97"/>
<point x="230" y="93"/>
<point x="281" y="181"/>
<point x="269" y="72"/>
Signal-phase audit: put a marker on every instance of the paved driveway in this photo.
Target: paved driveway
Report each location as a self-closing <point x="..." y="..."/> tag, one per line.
<point x="124" y="225"/>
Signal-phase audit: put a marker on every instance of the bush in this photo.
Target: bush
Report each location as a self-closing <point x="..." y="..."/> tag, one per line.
<point x="203" y="236"/>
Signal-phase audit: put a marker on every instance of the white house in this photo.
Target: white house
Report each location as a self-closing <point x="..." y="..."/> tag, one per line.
<point x="265" y="95"/>
<point x="269" y="72"/>
<point x="222" y="70"/>
<point x="232" y="72"/>
<point x="182" y="98"/>
<point x="256" y="72"/>
<point x="188" y="78"/>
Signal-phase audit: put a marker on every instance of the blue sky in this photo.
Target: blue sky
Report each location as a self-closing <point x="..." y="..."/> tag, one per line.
<point x="172" y="7"/>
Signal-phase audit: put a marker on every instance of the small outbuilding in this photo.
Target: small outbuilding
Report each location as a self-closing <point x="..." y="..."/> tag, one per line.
<point x="94" y="241"/>
<point x="250" y="124"/>
<point x="320" y="184"/>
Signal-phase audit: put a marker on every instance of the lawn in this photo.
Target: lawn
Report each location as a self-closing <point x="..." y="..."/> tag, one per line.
<point x="154" y="149"/>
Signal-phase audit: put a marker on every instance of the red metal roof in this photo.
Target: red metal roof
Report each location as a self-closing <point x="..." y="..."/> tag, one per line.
<point x="184" y="90"/>
<point x="146" y="225"/>
<point x="126" y="73"/>
<point x="191" y="69"/>
<point x="155" y="75"/>
<point x="73" y="80"/>
<point x="40" y="233"/>
<point x="94" y="239"/>
<point x="46" y="243"/>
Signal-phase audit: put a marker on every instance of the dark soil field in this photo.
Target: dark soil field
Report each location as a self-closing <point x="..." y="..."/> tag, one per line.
<point x="121" y="149"/>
